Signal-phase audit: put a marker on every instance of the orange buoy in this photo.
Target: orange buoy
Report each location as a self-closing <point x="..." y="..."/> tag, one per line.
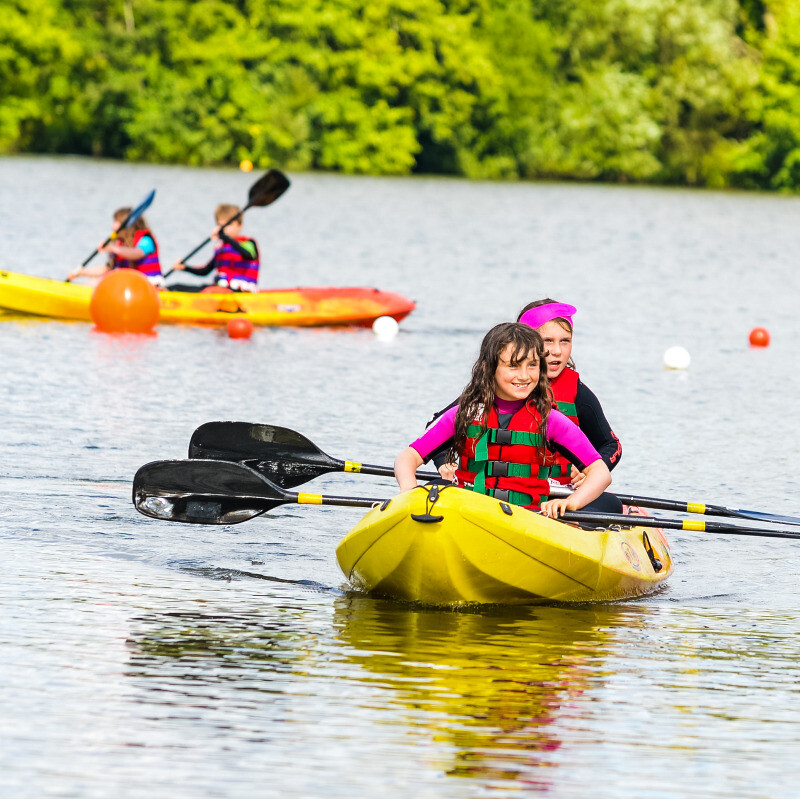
<point x="759" y="337"/>
<point x="124" y="301"/>
<point x="240" y="328"/>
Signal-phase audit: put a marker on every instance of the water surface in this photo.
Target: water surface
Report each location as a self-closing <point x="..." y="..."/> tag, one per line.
<point x="143" y="659"/>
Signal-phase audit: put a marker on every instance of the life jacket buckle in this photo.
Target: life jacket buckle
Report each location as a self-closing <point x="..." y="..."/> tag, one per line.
<point x="503" y="436"/>
<point x="498" y="469"/>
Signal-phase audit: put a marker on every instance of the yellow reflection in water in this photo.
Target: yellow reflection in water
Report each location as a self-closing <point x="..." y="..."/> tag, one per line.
<point x="493" y="683"/>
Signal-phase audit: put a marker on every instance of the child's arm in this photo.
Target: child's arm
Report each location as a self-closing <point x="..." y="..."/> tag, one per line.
<point x="405" y="468"/>
<point x="121" y="251"/>
<point x="88" y="272"/>
<point x="597" y="480"/>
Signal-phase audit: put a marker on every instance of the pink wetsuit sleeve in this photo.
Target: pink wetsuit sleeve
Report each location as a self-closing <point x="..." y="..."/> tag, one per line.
<point x="563" y="431"/>
<point x="443" y="429"/>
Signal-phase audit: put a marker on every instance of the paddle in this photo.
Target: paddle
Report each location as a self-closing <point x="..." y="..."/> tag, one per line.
<point x="217" y="493"/>
<point x="289" y="459"/>
<point x="586" y="517"/>
<point x="267" y="189"/>
<point x="129" y="220"/>
<point x="209" y="492"/>
<point x="705" y="508"/>
<point x="286" y="457"/>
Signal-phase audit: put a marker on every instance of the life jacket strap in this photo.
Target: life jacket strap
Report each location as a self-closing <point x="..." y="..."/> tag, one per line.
<point x="506" y="495"/>
<point x="567" y="408"/>
<point x="501" y="436"/>
<point x="506" y="469"/>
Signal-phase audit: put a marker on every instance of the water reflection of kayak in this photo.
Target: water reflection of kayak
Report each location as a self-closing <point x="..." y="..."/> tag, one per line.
<point x="301" y="306"/>
<point x="485" y="692"/>
<point x="470" y="548"/>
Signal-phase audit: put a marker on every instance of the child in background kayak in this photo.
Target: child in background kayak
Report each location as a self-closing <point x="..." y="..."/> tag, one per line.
<point x="235" y="258"/>
<point x="553" y="321"/>
<point x="134" y="247"/>
<point x="503" y="426"/>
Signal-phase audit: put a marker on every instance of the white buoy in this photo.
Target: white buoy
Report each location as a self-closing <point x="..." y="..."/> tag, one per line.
<point x="677" y="358"/>
<point x="385" y="327"/>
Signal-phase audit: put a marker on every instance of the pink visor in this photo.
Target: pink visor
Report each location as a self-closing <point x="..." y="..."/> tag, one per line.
<point x="536" y="317"/>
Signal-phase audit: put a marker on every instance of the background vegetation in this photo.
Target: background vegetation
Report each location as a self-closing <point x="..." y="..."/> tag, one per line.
<point x="703" y="92"/>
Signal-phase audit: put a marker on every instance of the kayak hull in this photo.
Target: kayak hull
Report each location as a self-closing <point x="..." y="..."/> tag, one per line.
<point x="467" y="548"/>
<point x="301" y="306"/>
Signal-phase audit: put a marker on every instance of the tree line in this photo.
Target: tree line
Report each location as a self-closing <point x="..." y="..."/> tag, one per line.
<point x="698" y="92"/>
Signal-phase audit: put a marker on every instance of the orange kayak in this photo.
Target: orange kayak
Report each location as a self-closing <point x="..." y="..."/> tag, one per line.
<point x="301" y="306"/>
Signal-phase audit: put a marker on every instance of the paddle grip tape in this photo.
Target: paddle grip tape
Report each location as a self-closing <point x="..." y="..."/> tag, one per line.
<point x="309" y="499"/>
<point x="696" y="508"/>
<point x="352" y="466"/>
<point x="694" y="525"/>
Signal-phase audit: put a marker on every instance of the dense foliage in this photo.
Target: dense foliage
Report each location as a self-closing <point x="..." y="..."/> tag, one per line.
<point x="701" y="92"/>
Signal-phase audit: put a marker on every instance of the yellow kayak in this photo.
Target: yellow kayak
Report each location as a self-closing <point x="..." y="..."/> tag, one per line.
<point x="450" y="546"/>
<point x="302" y="306"/>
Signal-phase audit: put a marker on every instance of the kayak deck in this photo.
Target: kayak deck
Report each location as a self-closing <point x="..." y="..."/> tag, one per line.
<point x="469" y="548"/>
<point x="300" y="306"/>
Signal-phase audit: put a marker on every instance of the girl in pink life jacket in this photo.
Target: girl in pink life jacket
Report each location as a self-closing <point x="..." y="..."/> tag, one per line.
<point x="553" y="321"/>
<point x="235" y="261"/>
<point x="134" y="247"/>
<point x="503" y="426"/>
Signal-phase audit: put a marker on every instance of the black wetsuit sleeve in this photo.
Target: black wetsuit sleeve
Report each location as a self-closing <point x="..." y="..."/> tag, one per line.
<point x="206" y="270"/>
<point x="439" y="456"/>
<point x="592" y="421"/>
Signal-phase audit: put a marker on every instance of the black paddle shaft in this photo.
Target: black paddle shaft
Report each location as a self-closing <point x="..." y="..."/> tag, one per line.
<point x="264" y="191"/>
<point x="625" y="520"/>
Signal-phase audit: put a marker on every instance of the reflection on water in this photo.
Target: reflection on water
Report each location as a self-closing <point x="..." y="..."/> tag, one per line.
<point x="492" y="684"/>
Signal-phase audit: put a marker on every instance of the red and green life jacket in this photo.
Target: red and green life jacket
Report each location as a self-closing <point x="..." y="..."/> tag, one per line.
<point x="565" y="389"/>
<point x="233" y="266"/>
<point x="506" y="463"/>
<point x="149" y="265"/>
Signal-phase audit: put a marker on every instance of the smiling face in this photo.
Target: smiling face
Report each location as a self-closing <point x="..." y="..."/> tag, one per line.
<point x="558" y="344"/>
<point x="515" y="380"/>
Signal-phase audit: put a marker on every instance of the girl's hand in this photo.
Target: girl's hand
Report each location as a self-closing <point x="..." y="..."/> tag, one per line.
<point x="77" y="272"/>
<point x="576" y="477"/>
<point x="448" y="472"/>
<point x="178" y="265"/>
<point x="555" y="508"/>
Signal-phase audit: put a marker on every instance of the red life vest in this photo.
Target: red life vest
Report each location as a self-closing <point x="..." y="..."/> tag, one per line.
<point x="233" y="266"/>
<point x="565" y="389"/>
<point x="506" y="463"/>
<point x="149" y="265"/>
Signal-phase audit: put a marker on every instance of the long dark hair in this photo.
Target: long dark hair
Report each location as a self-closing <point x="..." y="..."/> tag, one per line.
<point x="479" y="394"/>
<point x="564" y="323"/>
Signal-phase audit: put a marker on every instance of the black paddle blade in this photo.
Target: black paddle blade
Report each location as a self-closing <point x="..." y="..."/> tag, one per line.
<point x="203" y="492"/>
<point x="268" y="188"/>
<point x="284" y="456"/>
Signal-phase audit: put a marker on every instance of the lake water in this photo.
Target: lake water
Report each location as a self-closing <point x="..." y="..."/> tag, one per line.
<point x="142" y="659"/>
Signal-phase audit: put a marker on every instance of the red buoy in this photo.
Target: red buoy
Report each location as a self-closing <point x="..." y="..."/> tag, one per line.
<point x="240" y="328"/>
<point x="124" y="301"/>
<point x="759" y="337"/>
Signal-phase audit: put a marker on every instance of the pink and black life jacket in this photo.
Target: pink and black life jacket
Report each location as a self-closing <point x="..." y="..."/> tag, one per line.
<point x="233" y="267"/>
<point x="149" y="265"/>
